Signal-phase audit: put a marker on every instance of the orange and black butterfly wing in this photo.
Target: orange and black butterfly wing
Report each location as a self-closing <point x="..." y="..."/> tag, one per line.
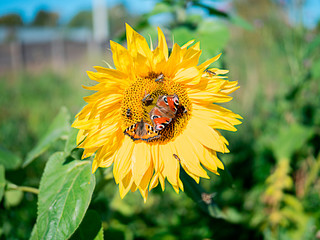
<point x="161" y="123"/>
<point x="159" y="119"/>
<point x="149" y="133"/>
<point x="131" y="132"/>
<point x="141" y="131"/>
<point x="169" y="103"/>
<point x="173" y="102"/>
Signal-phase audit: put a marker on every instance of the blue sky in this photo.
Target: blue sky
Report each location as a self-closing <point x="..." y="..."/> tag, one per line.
<point x="67" y="9"/>
<point x="311" y="12"/>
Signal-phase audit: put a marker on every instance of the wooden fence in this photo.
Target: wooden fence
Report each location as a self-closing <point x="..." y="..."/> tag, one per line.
<point x="35" y="49"/>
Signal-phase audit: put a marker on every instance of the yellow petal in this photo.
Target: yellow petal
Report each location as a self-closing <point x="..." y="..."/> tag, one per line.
<point x="146" y="178"/>
<point x="187" y="76"/>
<point x="162" y="44"/>
<point x="171" y="164"/>
<point x="141" y="159"/>
<point x="144" y="194"/>
<point x="125" y="185"/>
<point x="188" y="158"/>
<point x="207" y="97"/>
<point x="213" y="119"/>
<point x="122" y="162"/>
<point x="174" y="59"/>
<point x="121" y="58"/>
<point x="187" y="44"/>
<point x="154" y="181"/>
<point x="207" y="63"/>
<point x="205" y="135"/>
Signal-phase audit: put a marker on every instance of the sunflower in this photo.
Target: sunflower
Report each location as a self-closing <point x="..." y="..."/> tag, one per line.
<point x="154" y="113"/>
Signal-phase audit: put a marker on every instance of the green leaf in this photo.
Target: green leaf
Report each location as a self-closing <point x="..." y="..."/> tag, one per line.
<point x="90" y="227"/>
<point x="313" y="46"/>
<point x="161" y="8"/>
<point x="9" y="160"/>
<point x="182" y="35"/>
<point x="290" y="139"/>
<point x="315" y="69"/>
<point x="2" y="182"/>
<point x="59" y="127"/>
<point x="65" y="193"/>
<point x="237" y="20"/>
<point x="213" y="36"/>
<point x="99" y="235"/>
<point x="71" y="142"/>
<point x="34" y="233"/>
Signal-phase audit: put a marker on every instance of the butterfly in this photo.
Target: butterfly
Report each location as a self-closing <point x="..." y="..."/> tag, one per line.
<point x="164" y="111"/>
<point x="141" y="131"/>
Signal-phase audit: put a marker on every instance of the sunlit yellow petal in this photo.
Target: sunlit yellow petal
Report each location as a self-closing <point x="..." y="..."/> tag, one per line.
<point x="141" y="160"/>
<point x="162" y="44"/>
<point x="171" y="164"/>
<point x="122" y="162"/>
<point x="207" y="63"/>
<point x="188" y="158"/>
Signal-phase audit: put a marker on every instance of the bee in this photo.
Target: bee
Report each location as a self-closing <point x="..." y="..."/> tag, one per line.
<point x="147" y="100"/>
<point x="128" y="113"/>
<point x="160" y="78"/>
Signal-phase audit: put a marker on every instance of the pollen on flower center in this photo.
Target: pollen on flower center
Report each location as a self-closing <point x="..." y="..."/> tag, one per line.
<point x="141" y="97"/>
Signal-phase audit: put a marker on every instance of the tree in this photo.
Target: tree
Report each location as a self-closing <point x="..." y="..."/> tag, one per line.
<point x="81" y="19"/>
<point x="11" y="20"/>
<point x="45" y="19"/>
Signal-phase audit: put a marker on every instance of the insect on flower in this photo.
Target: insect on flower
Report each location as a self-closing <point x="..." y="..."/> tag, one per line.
<point x="147" y="142"/>
<point x="147" y="100"/>
<point x="159" y="78"/>
<point x="128" y="113"/>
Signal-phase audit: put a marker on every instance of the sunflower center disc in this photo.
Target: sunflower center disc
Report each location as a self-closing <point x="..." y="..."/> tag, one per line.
<point x="141" y="97"/>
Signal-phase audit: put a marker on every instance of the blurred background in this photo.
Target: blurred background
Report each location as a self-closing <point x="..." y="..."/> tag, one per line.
<point x="271" y="186"/>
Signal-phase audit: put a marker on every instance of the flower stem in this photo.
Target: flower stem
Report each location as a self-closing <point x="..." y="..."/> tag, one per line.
<point x="11" y="186"/>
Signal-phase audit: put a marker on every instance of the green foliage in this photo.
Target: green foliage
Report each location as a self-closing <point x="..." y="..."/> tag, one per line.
<point x="45" y="19"/>
<point x="11" y="20"/>
<point x="290" y="139"/>
<point x="81" y="19"/>
<point x="2" y="181"/>
<point x="9" y="160"/>
<point x="90" y="227"/>
<point x="58" y="128"/>
<point x="65" y="192"/>
<point x="271" y="182"/>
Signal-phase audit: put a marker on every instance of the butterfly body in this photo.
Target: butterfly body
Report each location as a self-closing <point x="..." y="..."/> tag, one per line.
<point x="142" y="131"/>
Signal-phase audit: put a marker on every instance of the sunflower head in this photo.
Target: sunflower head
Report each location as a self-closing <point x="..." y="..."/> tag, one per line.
<point x="154" y="113"/>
